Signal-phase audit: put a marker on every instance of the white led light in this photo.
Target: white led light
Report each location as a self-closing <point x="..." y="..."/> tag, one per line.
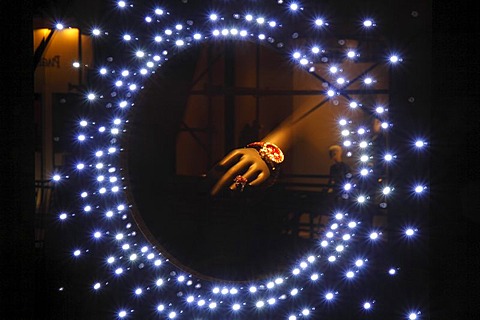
<point x="157" y="262"/>
<point x="212" y="305"/>
<point x="168" y="32"/>
<point x="315" y="49"/>
<point x="133" y="87"/>
<point x="133" y="257"/>
<point x="213" y="17"/>
<point x="346" y="237"/>
<point x="159" y="282"/>
<point x="409" y="232"/>
<point x="394" y="59"/>
<point x="102" y="129"/>
<point x="324" y="243"/>
<point x="296" y="55"/>
<point x="63" y="216"/>
<point x="197" y="36"/>
<point x="292" y="317"/>
<point x="260" y="304"/>
<point x="96" y="32"/>
<point x="159" y="11"/>
<point x="351" y="54"/>
<point x="386" y="190"/>
<point x="190" y="299"/>
<point x="379" y="110"/>
<point x="419" y="189"/>
<point x="359" y="263"/>
<point x="367" y="80"/>
<point x="201" y="303"/>
<point x="91" y="96"/>
<point x="419" y="143"/>
<point x="181" y="278"/>
<point x="236" y="307"/>
<point x="243" y="33"/>
<point x="111" y="260"/>
<point x="361" y="131"/>
<point x="303" y="61"/>
<point x="294" y="292"/>
<point x="294" y="6"/>
<point x="319" y="22"/>
<point x="345" y="133"/>
<point x="332" y="259"/>
<point x="374" y="235"/>
<point x="342" y="122"/>
<point x="172" y="315"/>
<point x="392" y="271"/>
<point x="148" y="19"/>
<point x="103" y="71"/>
<point x="178" y="27"/>
<point x="76" y="64"/>
<point x="119" y="83"/>
<point x="138" y="291"/>
<point x="261" y="36"/>
<point x="127" y="37"/>
<point x="330" y="93"/>
<point x="367" y="305"/>
<point x="314" y="277"/>
<point x="329" y="296"/>
<point x="126" y="246"/>
<point x="363" y="144"/>
<point x="233" y="31"/>
<point x="87" y="209"/>
<point x="352" y="224"/>
<point x="272" y="24"/>
<point x="140" y="54"/>
<point x="260" y="20"/>
<point x="122" y="314"/>
<point x="96" y="286"/>
<point x="271" y="301"/>
<point x="97" y="234"/>
<point x="339" y="248"/>
<point x="340" y="80"/>
<point x="179" y="43"/>
<point x="368" y="23"/>
<point x="350" y="274"/>
<point x="333" y="69"/>
<point x="59" y="26"/>
<point x="329" y="234"/>
<point x="76" y="253"/>
<point x="150" y="256"/>
<point x="296" y="271"/>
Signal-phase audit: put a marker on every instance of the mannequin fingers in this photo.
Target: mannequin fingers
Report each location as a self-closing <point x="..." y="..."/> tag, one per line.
<point x="258" y="180"/>
<point x="227" y="178"/>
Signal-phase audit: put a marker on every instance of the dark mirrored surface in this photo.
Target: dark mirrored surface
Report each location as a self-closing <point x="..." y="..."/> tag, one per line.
<point x="202" y="103"/>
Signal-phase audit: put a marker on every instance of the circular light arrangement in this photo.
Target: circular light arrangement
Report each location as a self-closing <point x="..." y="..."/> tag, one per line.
<point x="123" y="239"/>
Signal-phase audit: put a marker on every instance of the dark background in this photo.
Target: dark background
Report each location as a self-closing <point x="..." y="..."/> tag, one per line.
<point x="454" y="174"/>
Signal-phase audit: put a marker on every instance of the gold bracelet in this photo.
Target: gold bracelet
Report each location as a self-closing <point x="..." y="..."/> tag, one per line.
<point x="270" y="153"/>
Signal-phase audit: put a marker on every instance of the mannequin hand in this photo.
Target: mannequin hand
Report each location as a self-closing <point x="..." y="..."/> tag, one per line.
<point x="243" y="161"/>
